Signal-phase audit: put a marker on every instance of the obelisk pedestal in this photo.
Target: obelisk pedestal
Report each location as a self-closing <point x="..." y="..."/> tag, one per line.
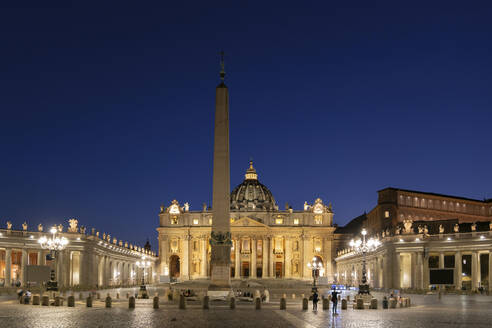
<point x="220" y="238"/>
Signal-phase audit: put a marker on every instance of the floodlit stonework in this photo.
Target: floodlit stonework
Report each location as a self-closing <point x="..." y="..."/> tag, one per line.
<point x="421" y="233"/>
<point x="89" y="259"/>
<point x="266" y="242"/>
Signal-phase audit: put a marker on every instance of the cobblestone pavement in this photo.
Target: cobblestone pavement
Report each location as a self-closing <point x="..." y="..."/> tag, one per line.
<point x="450" y="311"/>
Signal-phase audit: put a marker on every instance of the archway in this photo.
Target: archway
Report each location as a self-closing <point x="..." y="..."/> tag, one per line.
<point x="174" y="266"/>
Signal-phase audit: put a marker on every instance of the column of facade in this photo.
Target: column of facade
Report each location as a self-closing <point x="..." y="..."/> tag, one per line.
<point x="441" y="260"/>
<point x="327" y="259"/>
<point x="271" y="257"/>
<point x="8" y="267"/>
<point x="474" y="266"/>
<point x="288" y="257"/>
<point x="204" y="257"/>
<point x="397" y="271"/>
<point x="185" y="258"/>
<point x="425" y="274"/>
<point x="264" y="258"/>
<point x="307" y="250"/>
<point x="253" y="258"/>
<point x="24" y="267"/>
<point x="458" y="263"/>
<point x="237" y="259"/>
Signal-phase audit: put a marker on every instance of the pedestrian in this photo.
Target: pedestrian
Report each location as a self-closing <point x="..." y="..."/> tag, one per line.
<point x="334" y="299"/>
<point x="315" y="301"/>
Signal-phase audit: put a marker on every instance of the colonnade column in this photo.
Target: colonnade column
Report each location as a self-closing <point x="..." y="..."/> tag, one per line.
<point x="413" y="270"/>
<point x="264" y="258"/>
<point x="441" y="260"/>
<point x="490" y="271"/>
<point x="8" y="267"/>
<point x="397" y="271"/>
<point x="458" y="270"/>
<point x="425" y="274"/>
<point x="474" y="266"/>
<point x="237" y="258"/>
<point x="420" y="270"/>
<point x="306" y="257"/>
<point x="40" y="258"/>
<point x="24" y="267"/>
<point x="271" y="256"/>
<point x="253" y="258"/>
<point x="287" y="256"/>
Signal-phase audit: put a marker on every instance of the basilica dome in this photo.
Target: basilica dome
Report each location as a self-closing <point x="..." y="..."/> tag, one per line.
<point x="251" y="195"/>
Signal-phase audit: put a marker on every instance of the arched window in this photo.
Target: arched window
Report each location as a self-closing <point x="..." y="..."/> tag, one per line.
<point x="422" y="203"/>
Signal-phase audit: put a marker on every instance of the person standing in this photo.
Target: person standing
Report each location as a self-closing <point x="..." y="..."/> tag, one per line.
<point x="315" y="301"/>
<point x="334" y="299"/>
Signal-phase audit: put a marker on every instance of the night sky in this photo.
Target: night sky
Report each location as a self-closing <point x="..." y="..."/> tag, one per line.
<point x="107" y="112"/>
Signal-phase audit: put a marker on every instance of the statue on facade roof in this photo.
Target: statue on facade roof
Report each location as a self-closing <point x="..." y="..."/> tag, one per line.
<point x="441" y="229"/>
<point x="82" y="230"/>
<point x="186" y="207"/>
<point x="9" y="225"/>
<point x="407" y="224"/>
<point x="24" y="226"/>
<point x="40" y="227"/>
<point x="306" y="206"/>
<point x="73" y="225"/>
<point x="426" y="230"/>
<point x="456" y="228"/>
<point x="60" y="228"/>
<point x="474" y="227"/>
<point x="490" y="225"/>
<point x="104" y="236"/>
<point x="398" y="230"/>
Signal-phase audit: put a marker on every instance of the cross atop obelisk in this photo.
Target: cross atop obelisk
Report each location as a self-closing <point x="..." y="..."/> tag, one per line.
<point x="220" y="238"/>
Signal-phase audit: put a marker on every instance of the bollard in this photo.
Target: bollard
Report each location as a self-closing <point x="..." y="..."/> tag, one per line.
<point x="98" y="296"/>
<point x="117" y="296"/>
<point x="57" y="301"/>
<point x="305" y="304"/>
<point x="71" y="301"/>
<point x="339" y="298"/>
<point x="232" y="303"/>
<point x="392" y="303"/>
<point x="374" y="304"/>
<point x="88" y="301"/>
<point x="257" y="303"/>
<point x="360" y="304"/>
<point x="156" y="302"/>
<point x="283" y="304"/>
<point x="206" y="302"/>
<point x="35" y="300"/>
<point x="131" y="302"/>
<point x="348" y="298"/>
<point x="326" y="304"/>
<point x="385" y="303"/>
<point x="108" y="301"/>
<point x="344" y="304"/>
<point x="182" y="302"/>
<point x="45" y="300"/>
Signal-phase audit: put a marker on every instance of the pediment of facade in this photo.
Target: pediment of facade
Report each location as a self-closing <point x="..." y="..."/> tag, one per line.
<point x="248" y="222"/>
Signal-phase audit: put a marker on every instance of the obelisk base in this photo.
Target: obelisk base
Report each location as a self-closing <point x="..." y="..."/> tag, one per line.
<point x="220" y="265"/>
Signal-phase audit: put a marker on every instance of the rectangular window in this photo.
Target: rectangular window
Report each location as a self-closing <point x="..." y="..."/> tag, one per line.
<point x="386" y="214"/>
<point x="449" y="261"/>
<point x="434" y="262"/>
<point x="33" y="259"/>
<point x="279" y="221"/>
<point x="484" y="270"/>
<point x="195" y="221"/>
<point x="296" y="221"/>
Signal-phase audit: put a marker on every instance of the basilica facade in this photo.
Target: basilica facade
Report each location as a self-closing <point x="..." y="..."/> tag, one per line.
<point x="266" y="242"/>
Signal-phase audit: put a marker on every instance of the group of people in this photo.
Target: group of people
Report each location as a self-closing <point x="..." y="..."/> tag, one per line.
<point x="334" y="300"/>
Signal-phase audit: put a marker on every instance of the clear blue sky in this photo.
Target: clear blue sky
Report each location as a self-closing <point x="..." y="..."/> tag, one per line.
<point x="107" y="107"/>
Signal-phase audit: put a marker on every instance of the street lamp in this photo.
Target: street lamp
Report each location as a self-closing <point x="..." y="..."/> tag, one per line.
<point x="315" y="267"/>
<point x="363" y="246"/>
<point x="143" y="289"/>
<point x="54" y="245"/>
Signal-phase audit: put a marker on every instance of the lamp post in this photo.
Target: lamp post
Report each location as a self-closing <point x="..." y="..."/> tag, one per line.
<point x="363" y="246"/>
<point x="143" y="289"/>
<point x="315" y="266"/>
<point x="54" y="245"/>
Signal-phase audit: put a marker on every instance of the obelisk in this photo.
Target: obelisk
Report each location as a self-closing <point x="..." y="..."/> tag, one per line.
<point x="220" y="238"/>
